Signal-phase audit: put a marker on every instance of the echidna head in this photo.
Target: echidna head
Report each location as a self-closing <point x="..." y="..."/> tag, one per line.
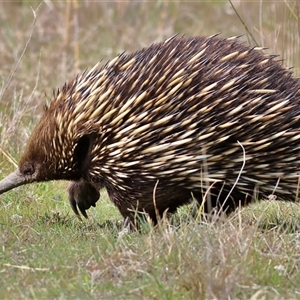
<point x="51" y="155"/>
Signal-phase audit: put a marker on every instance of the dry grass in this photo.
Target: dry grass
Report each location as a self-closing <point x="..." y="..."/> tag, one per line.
<point x="45" y="252"/>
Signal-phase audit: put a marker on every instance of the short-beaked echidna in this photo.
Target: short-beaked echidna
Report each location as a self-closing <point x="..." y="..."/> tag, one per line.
<point x="203" y="117"/>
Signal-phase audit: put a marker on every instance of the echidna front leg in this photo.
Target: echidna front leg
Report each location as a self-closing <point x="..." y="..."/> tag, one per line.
<point x="82" y="195"/>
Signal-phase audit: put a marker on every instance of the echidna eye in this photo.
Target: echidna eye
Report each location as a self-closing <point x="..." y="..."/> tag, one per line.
<point x="28" y="169"/>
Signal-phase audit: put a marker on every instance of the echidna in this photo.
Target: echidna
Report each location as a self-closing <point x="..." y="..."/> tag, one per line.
<point x="203" y="117"/>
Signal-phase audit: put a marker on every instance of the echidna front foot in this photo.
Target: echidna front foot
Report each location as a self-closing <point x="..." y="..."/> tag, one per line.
<point x="82" y="195"/>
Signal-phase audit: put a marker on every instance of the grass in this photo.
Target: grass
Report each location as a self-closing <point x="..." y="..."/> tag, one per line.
<point x="45" y="251"/>
<point x="52" y="255"/>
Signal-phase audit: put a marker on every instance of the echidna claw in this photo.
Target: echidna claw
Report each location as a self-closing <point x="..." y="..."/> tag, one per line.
<point x="74" y="207"/>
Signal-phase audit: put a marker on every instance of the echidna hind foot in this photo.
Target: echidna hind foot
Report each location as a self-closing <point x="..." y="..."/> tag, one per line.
<point x="221" y="200"/>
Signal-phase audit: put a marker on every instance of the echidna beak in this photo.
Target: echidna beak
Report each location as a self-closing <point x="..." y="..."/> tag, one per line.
<point x="12" y="181"/>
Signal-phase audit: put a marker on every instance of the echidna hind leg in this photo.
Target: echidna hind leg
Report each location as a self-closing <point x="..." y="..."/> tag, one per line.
<point x="221" y="199"/>
<point x="82" y="196"/>
<point x="140" y="209"/>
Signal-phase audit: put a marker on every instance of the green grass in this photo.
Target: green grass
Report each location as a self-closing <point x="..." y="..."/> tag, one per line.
<point x="48" y="253"/>
<point x="45" y="251"/>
